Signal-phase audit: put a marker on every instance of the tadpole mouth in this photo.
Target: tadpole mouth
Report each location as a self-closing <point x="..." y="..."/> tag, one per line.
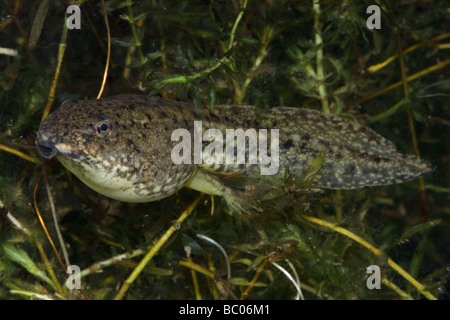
<point x="46" y="150"/>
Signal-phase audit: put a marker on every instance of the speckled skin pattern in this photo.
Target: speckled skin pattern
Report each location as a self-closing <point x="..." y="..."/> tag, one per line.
<point x="121" y="146"/>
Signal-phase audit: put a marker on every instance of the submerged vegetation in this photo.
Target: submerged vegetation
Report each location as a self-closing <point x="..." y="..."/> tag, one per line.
<point x="312" y="54"/>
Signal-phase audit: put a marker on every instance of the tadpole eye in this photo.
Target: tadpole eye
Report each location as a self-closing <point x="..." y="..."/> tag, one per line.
<point x="104" y="127"/>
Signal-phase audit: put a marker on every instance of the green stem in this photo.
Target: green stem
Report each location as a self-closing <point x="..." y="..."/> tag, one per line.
<point x="319" y="57"/>
<point x="184" y="79"/>
<point x="137" y="42"/>
<point x="140" y="267"/>
<point x="61" y="50"/>
<point x="387" y="113"/>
